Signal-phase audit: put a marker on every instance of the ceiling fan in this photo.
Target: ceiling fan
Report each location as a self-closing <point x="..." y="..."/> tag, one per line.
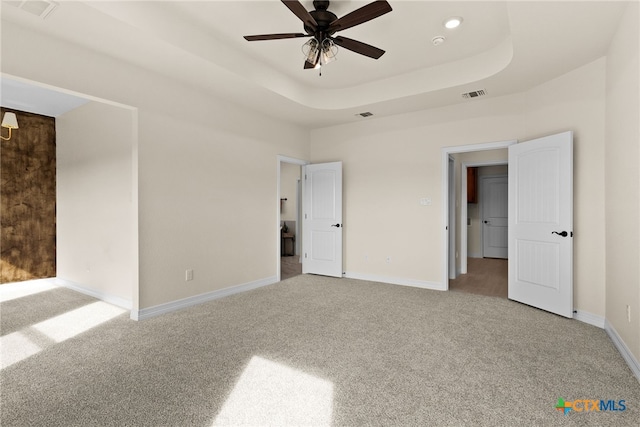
<point x="321" y="24"/>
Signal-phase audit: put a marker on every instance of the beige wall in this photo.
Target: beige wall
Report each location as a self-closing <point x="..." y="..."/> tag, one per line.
<point x="95" y="209"/>
<point x="391" y="162"/>
<point x="622" y="182"/>
<point x="207" y="188"/>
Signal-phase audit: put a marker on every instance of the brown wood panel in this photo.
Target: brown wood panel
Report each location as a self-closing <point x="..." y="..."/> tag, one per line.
<point x="28" y="199"/>
<point x="472" y="185"/>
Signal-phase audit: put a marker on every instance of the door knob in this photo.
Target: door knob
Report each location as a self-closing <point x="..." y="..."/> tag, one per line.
<point x="335" y="225"/>
<point x="562" y="233"/>
<point x="486" y="222"/>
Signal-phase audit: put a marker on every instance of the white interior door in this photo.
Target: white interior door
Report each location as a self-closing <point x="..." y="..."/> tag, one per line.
<point x="322" y="219"/>
<point x="541" y="223"/>
<point x="495" y="211"/>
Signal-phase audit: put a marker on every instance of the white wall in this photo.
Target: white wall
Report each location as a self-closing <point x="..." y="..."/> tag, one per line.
<point x="94" y="200"/>
<point x="622" y="181"/>
<point x="207" y="187"/>
<point x="391" y="162"/>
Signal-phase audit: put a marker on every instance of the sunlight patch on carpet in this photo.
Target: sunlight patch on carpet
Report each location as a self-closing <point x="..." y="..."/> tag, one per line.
<point x="11" y="291"/>
<point x="31" y="340"/>
<point x="74" y="322"/>
<point x="16" y="347"/>
<point x="269" y="393"/>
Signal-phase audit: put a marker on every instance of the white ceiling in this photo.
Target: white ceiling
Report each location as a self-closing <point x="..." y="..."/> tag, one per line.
<point x="501" y="47"/>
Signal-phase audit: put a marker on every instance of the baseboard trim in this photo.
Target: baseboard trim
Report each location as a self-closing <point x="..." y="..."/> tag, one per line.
<point x="395" y="281"/>
<point x="169" y="307"/>
<point x="628" y="357"/>
<point x="83" y="289"/>
<point x="589" y="318"/>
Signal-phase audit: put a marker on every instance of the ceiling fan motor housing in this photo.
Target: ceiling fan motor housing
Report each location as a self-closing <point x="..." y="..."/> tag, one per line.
<point x="323" y="18"/>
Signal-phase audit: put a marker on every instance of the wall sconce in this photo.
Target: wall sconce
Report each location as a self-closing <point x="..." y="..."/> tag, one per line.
<point x="9" y="121"/>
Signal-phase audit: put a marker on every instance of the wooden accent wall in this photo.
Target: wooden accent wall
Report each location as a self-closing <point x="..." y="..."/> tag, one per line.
<point x="28" y="199"/>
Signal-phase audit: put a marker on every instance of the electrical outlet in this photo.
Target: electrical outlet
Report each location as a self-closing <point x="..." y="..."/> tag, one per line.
<point x="629" y="313"/>
<point x="188" y="275"/>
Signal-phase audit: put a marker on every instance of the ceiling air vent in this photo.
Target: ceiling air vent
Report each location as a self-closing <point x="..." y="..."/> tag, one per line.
<point x="365" y="114"/>
<point x="41" y="8"/>
<point x="474" y="94"/>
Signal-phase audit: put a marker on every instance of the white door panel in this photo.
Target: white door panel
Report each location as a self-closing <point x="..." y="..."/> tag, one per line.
<point x="495" y="210"/>
<point x="322" y="219"/>
<point x="540" y="210"/>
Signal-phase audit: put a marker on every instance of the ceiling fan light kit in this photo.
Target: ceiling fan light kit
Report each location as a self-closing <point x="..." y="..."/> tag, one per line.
<point x="319" y="53"/>
<point x="321" y="24"/>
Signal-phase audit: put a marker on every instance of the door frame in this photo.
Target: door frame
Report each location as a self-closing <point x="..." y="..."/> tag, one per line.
<point x="446" y="152"/>
<point x="453" y="273"/>
<point x="284" y="159"/>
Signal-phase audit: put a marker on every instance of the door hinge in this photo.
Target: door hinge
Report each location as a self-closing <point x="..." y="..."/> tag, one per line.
<point x="305" y="254"/>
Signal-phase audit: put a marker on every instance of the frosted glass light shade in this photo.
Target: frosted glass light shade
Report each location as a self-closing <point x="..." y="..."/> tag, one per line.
<point x="9" y="120"/>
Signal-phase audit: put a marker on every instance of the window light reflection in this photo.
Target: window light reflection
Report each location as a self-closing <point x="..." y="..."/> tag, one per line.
<point x="269" y="393"/>
<point x="19" y="345"/>
<point x="72" y="323"/>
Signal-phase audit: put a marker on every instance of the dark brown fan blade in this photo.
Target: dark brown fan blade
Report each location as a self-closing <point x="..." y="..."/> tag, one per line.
<point x="275" y="36"/>
<point x="303" y="14"/>
<point x="358" y="16"/>
<point x="358" y="47"/>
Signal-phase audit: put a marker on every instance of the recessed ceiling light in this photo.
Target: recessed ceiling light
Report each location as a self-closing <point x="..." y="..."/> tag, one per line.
<point x="453" y="22"/>
<point x="437" y="40"/>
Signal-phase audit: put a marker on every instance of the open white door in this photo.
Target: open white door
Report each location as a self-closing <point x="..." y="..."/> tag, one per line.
<point x="541" y="223"/>
<point x="322" y="219"/>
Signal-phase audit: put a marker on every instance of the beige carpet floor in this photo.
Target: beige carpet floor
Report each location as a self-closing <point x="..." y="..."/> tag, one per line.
<point x="311" y="351"/>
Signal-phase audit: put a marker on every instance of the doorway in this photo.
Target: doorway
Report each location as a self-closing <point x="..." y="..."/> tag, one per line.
<point x="289" y="224"/>
<point x="476" y="155"/>
<point x="485" y="259"/>
<point x="85" y="135"/>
